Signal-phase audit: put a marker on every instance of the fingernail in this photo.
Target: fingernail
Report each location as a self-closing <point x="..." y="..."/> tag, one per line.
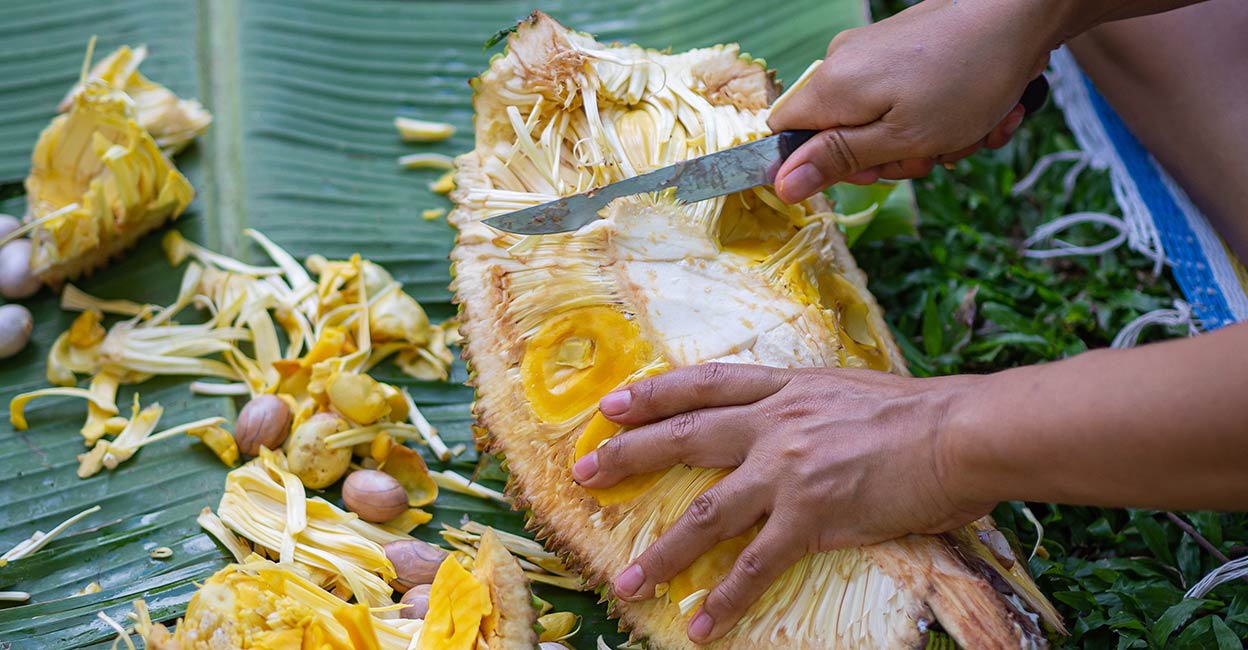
<point x="615" y="403"/>
<point x="585" y="468"/>
<point x="700" y="627"/>
<point x="801" y="182"/>
<point x="627" y="583"/>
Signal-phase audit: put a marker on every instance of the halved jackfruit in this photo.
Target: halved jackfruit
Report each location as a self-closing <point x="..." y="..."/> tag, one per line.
<point x="743" y="278"/>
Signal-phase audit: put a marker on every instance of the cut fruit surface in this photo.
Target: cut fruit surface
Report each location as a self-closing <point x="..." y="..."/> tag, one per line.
<point x="554" y="323"/>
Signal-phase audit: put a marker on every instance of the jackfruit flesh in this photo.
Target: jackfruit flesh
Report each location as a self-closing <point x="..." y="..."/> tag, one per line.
<point x="489" y="607"/>
<point x="99" y="179"/>
<point x="172" y="122"/>
<point x="553" y="323"/>
<point x="264" y="605"/>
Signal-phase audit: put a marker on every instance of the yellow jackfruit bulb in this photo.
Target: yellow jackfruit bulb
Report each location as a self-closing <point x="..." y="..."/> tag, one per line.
<point x="457" y="604"/>
<point x="578" y="357"/>
<point x="359" y="397"/>
<point x="262" y="605"/>
<point x="396" y="316"/>
<point x="598" y="431"/>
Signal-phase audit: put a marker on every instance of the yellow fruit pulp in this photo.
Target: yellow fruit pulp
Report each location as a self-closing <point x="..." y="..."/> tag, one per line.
<point x="710" y="569"/>
<point x="457" y="603"/>
<point x="598" y="431"/>
<point x="845" y="310"/>
<point x="576" y="358"/>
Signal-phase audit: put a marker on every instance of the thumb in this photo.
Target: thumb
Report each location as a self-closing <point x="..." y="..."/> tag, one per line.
<point x="833" y="155"/>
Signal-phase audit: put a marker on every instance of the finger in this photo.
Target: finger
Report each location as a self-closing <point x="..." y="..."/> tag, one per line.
<point x="835" y="154"/>
<point x="909" y="168"/>
<point x="691" y="388"/>
<point x="864" y="177"/>
<point x="714" y="437"/>
<point x="774" y="550"/>
<point x="831" y="96"/>
<point x="726" y="510"/>
<point x="966" y="152"/>
<point x="1002" y="132"/>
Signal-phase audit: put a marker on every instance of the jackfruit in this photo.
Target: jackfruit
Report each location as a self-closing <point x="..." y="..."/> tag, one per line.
<point x="553" y="323"/>
<point x="99" y="178"/>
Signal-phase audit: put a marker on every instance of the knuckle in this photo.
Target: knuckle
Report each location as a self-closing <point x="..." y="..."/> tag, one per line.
<point x="612" y="454"/>
<point x="794" y="452"/>
<point x="704" y="511"/>
<point x="751" y="566"/>
<point x="842" y="38"/>
<point x="835" y="152"/>
<point x="682" y="428"/>
<point x="724" y="601"/>
<point x="656" y="561"/>
<point x="644" y="393"/>
<point x="711" y="374"/>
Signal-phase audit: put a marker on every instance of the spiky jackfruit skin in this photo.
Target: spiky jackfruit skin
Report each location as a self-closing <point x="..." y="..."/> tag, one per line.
<point x="510" y="625"/>
<point x="738" y="279"/>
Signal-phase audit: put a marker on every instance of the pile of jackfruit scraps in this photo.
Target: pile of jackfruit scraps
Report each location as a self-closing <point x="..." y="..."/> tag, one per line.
<point x="299" y="341"/>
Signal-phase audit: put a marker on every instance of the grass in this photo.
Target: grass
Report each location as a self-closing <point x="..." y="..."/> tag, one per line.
<point x="962" y="299"/>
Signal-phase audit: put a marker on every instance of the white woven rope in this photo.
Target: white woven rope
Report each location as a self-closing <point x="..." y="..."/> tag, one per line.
<point x="1072" y="96"/>
<point x="1233" y="570"/>
<point x="1043" y="164"/>
<point x="1181" y="315"/>
<point x="1061" y="248"/>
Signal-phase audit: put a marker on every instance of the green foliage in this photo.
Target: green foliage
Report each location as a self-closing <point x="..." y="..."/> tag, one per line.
<point x="964" y="295"/>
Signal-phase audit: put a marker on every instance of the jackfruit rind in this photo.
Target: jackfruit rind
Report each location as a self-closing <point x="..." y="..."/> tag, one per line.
<point x="713" y="281"/>
<point x="510" y="623"/>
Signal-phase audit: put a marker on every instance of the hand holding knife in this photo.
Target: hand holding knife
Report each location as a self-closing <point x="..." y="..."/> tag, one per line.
<point x="724" y="172"/>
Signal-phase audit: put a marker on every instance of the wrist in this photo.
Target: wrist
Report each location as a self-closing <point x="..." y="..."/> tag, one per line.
<point x="959" y="470"/>
<point x="1066" y="19"/>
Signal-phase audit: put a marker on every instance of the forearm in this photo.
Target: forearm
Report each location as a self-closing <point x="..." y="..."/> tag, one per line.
<point x="1077" y="16"/>
<point x="1162" y="426"/>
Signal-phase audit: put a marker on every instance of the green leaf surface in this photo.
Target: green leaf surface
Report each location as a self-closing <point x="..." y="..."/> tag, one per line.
<point x="302" y="148"/>
<point x="896" y="215"/>
<point x="1173" y="619"/>
<point x="1154" y="535"/>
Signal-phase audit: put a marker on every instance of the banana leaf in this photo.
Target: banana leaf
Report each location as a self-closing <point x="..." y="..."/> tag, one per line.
<point x="303" y="149"/>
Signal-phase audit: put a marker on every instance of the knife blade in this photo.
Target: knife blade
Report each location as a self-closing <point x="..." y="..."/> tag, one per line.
<point x="724" y="172"/>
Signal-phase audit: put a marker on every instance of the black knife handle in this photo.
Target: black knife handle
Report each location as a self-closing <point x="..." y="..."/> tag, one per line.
<point x="791" y="140"/>
<point x="1034" y="95"/>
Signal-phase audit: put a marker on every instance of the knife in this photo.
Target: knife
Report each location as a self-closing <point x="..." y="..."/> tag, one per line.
<point x="724" y="172"/>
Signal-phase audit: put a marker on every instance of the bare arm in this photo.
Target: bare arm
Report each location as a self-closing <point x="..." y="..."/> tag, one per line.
<point x="1164" y="426"/>
<point x="1078" y="16"/>
<point x="831" y="458"/>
